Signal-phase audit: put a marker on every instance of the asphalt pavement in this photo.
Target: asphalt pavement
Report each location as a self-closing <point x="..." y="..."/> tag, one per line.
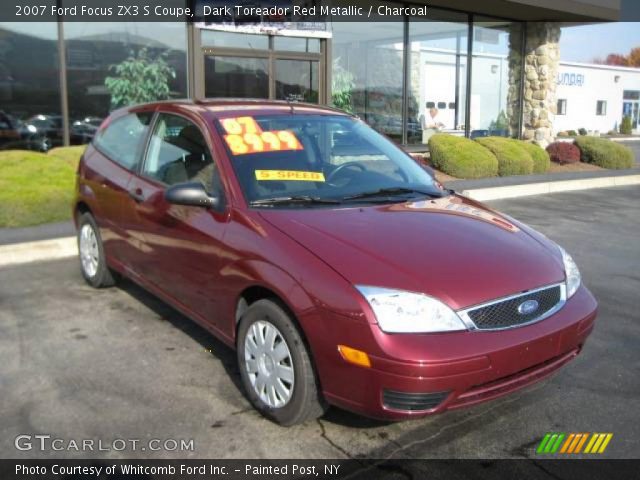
<point x="78" y="363"/>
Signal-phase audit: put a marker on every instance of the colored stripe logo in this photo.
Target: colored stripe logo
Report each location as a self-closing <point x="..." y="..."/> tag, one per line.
<point x="572" y="443"/>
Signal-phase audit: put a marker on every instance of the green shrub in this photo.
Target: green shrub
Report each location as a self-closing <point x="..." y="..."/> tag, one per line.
<point x="540" y="157"/>
<point x="572" y="133"/>
<point x="625" y="127"/>
<point x="605" y="153"/>
<point x="461" y="157"/>
<point x="513" y="157"/>
<point x="582" y="131"/>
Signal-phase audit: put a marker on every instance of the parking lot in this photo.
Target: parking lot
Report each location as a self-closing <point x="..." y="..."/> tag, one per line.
<point x="76" y="363"/>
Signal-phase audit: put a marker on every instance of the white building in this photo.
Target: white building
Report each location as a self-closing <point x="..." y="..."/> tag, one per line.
<point x="595" y="97"/>
<point x="589" y="96"/>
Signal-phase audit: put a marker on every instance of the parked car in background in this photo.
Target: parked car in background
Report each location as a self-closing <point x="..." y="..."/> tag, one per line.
<point x="45" y="127"/>
<point x="339" y="269"/>
<point x="9" y="129"/>
<point x="82" y="131"/>
<point x="18" y="135"/>
<point x="42" y="132"/>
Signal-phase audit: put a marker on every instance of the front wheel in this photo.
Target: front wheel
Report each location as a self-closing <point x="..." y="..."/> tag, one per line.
<point x="93" y="263"/>
<point x="275" y="366"/>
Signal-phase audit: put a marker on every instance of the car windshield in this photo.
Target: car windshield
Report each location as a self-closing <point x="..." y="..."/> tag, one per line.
<point x="296" y="160"/>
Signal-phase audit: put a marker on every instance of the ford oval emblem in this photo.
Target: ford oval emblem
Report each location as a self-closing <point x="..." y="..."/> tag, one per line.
<point x="528" y="307"/>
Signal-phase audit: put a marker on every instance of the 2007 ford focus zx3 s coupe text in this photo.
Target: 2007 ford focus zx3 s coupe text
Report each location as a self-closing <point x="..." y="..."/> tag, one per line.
<point x="337" y="267"/>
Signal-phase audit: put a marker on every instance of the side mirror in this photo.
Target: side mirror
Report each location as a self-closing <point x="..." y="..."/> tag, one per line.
<point x="191" y="194"/>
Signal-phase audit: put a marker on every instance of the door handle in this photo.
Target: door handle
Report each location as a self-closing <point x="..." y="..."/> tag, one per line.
<point x="137" y="195"/>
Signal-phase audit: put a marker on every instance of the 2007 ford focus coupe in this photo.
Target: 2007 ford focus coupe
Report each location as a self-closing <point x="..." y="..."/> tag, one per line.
<point x="334" y="264"/>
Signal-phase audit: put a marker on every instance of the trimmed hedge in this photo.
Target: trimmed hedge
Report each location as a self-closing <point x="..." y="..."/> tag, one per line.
<point x="513" y="157"/>
<point x="563" y="153"/>
<point x="605" y="153"/>
<point x="540" y="157"/>
<point x="461" y="157"/>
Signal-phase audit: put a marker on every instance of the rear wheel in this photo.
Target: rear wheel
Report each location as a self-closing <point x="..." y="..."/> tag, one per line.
<point x="275" y="366"/>
<point x="93" y="263"/>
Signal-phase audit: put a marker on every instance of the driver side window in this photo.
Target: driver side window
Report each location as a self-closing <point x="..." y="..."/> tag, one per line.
<point x="178" y="153"/>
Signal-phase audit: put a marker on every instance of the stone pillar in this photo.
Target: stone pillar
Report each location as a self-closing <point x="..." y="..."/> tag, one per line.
<point x="542" y="56"/>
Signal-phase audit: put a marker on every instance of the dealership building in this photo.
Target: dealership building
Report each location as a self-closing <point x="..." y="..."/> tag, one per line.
<point x="491" y="67"/>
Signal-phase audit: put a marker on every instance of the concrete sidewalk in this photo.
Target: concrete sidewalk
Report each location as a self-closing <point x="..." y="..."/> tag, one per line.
<point x="524" y="185"/>
<point x="48" y="231"/>
<point x="32" y="244"/>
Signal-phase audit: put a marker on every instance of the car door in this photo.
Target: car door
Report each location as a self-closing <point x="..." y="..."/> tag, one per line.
<point x="114" y="154"/>
<point x="184" y="245"/>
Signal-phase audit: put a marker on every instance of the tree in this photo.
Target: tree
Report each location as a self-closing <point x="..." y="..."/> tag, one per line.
<point x="139" y="79"/>
<point x="613" y="59"/>
<point x="634" y="57"/>
<point x="342" y="85"/>
<point x="626" y="127"/>
<point x="616" y="59"/>
<point x="631" y="60"/>
<point x="501" y="123"/>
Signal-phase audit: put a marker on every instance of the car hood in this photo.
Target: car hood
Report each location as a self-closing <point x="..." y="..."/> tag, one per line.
<point x="451" y="248"/>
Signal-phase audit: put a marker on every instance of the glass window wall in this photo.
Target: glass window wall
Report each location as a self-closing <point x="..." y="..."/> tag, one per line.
<point x="367" y="73"/>
<point x="95" y="50"/>
<point x="29" y="86"/>
<point x="437" y="76"/>
<point x="495" y="84"/>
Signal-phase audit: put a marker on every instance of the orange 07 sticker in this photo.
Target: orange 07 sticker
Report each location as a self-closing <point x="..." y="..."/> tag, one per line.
<point x="245" y="136"/>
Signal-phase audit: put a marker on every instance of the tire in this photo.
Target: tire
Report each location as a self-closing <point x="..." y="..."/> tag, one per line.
<point x="291" y="394"/>
<point x="93" y="263"/>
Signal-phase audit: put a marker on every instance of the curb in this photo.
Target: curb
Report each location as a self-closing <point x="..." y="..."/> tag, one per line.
<point x="625" y="139"/>
<point x="18" y="253"/>
<point x="613" y="139"/>
<point x="528" y="189"/>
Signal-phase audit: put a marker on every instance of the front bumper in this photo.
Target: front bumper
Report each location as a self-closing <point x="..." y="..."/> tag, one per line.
<point x="454" y="370"/>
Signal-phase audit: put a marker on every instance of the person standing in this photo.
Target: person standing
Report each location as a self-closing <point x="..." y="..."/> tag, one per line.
<point x="430" y="124"/>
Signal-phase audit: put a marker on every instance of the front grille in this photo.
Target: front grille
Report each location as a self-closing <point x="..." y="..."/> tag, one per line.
<point x="505" y="314"/>
<point x="412" y="401"/>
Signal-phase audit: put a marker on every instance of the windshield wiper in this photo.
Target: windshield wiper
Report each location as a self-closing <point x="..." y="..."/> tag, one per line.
<point x="390" y="192"/>
<point x="298" y="199"/>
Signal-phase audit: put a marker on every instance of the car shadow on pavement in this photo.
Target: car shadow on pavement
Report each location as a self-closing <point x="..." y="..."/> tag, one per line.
<point x="208" y="341"/>
<point x="226" y="355"/>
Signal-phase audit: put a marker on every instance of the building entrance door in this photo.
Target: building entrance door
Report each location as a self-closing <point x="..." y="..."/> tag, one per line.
<point x="631" y="107"/>
<point x="238" y="65"/>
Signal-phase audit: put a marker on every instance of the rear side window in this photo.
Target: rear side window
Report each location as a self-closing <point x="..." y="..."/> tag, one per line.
<point x="122" y="140"/>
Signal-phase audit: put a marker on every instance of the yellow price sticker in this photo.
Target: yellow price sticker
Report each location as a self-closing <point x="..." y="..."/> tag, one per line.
<point x="244" y="136"/>
<point x="275" y="141"/>
<point x="240" y="125"/>
<point x="290" y="175"/>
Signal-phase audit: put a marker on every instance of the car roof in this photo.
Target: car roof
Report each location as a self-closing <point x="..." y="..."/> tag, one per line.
<point x="222" y="107"/>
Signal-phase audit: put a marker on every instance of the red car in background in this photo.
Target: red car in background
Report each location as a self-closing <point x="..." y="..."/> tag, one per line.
<point x="336" y="266"/>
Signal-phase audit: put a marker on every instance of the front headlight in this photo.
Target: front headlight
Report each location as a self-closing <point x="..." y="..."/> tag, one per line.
<point x="571" y="271"/>
<point x="398" y="311"/>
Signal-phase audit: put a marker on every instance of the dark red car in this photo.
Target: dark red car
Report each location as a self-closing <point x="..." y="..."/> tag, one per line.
<point x="336" y="266"/>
